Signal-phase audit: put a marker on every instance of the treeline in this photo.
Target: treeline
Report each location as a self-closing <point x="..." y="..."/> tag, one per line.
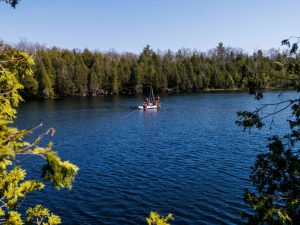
<point x="62" y="72"/>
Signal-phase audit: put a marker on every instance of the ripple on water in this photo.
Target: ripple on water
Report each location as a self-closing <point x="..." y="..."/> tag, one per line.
<point x="189" y="158"/>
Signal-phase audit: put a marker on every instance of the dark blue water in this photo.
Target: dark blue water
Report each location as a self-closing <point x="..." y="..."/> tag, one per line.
<point x="189" y="158"/>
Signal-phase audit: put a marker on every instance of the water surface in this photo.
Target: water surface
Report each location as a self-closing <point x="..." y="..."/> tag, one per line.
<point x="189" y="158"/>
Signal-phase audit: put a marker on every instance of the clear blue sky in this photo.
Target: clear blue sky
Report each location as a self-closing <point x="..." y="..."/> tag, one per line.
<point x="128" y="25"/>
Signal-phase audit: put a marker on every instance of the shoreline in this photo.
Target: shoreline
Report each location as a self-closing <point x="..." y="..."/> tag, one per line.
<point x="207" y="90"/>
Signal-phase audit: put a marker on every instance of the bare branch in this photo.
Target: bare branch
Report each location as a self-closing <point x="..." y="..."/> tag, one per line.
<point x="29" y="153"/>
<point x="277" y="111"/>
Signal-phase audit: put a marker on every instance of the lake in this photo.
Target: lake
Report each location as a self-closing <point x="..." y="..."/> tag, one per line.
<point x="189" y="158"/>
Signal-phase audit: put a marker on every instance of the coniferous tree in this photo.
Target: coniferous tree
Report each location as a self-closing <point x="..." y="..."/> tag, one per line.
<point x="80" y="77"/>
<point x="45" y="88"/>
<point x="14" y="187"/>
<point x="94" y="73"/>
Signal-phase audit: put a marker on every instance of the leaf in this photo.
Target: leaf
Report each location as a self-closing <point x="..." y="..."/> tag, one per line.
<point x="156" y="219"/>
<point x="294" y="48"/>
<point x="60" y="174"/>
<point x="43" y="215"/>
<point x="285" y="42"/>
<point x="283" y="217"/>
<point x="13" y="218"/>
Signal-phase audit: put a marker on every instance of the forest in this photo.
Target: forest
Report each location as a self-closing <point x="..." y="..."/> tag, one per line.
<point x="62" y="72"/>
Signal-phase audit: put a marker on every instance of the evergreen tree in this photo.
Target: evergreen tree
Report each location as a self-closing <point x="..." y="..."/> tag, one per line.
<point x="14" y="187"/>
<point x="45" y="88"/>
<point x="80" y="77"/>
<point x="95" y="78"/>
<point x="114" y="78"/>
<point x="275" y="174"/>
<point x="93" y="73"/>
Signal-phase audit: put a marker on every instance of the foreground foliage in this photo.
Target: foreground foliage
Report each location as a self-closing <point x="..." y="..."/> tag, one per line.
<point x="14" y="187"/>
<point x="12" y="3"/>
<point x="276" y="173"/>
<point x="156" y="219"/>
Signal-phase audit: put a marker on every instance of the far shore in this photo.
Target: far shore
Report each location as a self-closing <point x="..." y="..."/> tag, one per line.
<point x="206" y="90"/>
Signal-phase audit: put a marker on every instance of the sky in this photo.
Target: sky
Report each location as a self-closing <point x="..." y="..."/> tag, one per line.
<point x="129" y="25"/>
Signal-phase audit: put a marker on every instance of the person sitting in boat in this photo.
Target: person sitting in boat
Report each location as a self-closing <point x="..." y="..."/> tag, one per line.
<point x="157" y="101"/>
<point x="152" y="100"/>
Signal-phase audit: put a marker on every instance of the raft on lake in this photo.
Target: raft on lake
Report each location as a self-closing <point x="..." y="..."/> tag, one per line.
<point x="150" y="103"/>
